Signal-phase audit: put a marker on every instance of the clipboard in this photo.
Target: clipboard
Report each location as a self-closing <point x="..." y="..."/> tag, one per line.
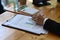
<point x="25" y="23"/>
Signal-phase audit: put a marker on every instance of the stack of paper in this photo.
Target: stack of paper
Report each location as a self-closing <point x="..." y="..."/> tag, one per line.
<point x="25" y="23"/>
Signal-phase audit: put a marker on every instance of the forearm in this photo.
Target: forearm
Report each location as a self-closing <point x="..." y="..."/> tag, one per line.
<point x="52" y="26"/>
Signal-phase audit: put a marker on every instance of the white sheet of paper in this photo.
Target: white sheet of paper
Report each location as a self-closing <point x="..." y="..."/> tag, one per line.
<point x="25" y="23"/>
<point x="30" y="10"/>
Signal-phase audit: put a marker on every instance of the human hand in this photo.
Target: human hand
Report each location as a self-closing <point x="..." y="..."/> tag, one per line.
<point x="38" y="18"/>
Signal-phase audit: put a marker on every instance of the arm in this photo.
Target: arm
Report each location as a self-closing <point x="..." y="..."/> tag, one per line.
<point x="1" y="8"/>
<point x="52" y="26"/>
<point x="48" y="24"/>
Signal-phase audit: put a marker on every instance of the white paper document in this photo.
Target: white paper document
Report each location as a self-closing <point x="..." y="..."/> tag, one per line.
<point x="25" y="23"/>
<point x="30" y="10"/>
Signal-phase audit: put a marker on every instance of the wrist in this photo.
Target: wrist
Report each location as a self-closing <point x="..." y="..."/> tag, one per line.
<point x="44" y="20"/>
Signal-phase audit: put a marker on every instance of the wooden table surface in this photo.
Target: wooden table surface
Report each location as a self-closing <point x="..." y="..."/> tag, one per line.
<point x="13" y="34"/>
<point x="53" y="14"/>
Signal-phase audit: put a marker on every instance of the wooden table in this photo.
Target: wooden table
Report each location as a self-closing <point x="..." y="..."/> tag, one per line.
<point x="13" y="34"/>
<point x="46" y="11"/>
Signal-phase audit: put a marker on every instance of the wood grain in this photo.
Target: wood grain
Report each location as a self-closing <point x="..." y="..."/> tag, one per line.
<point x="14" y="34"/>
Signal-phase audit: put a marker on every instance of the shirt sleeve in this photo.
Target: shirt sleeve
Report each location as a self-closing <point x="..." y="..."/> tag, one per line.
<point x="45" y="20"/>
<point x="52" y="26"/>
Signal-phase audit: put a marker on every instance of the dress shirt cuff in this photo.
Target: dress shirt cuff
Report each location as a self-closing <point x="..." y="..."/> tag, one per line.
<point x="45" y="20"/>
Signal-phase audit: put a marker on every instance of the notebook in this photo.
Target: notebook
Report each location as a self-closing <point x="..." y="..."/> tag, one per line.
<point x="26" y="23"/>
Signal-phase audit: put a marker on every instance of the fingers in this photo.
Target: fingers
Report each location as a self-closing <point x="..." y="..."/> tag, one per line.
<point x="38" y="18"/>
<point x="35" y="17"/>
